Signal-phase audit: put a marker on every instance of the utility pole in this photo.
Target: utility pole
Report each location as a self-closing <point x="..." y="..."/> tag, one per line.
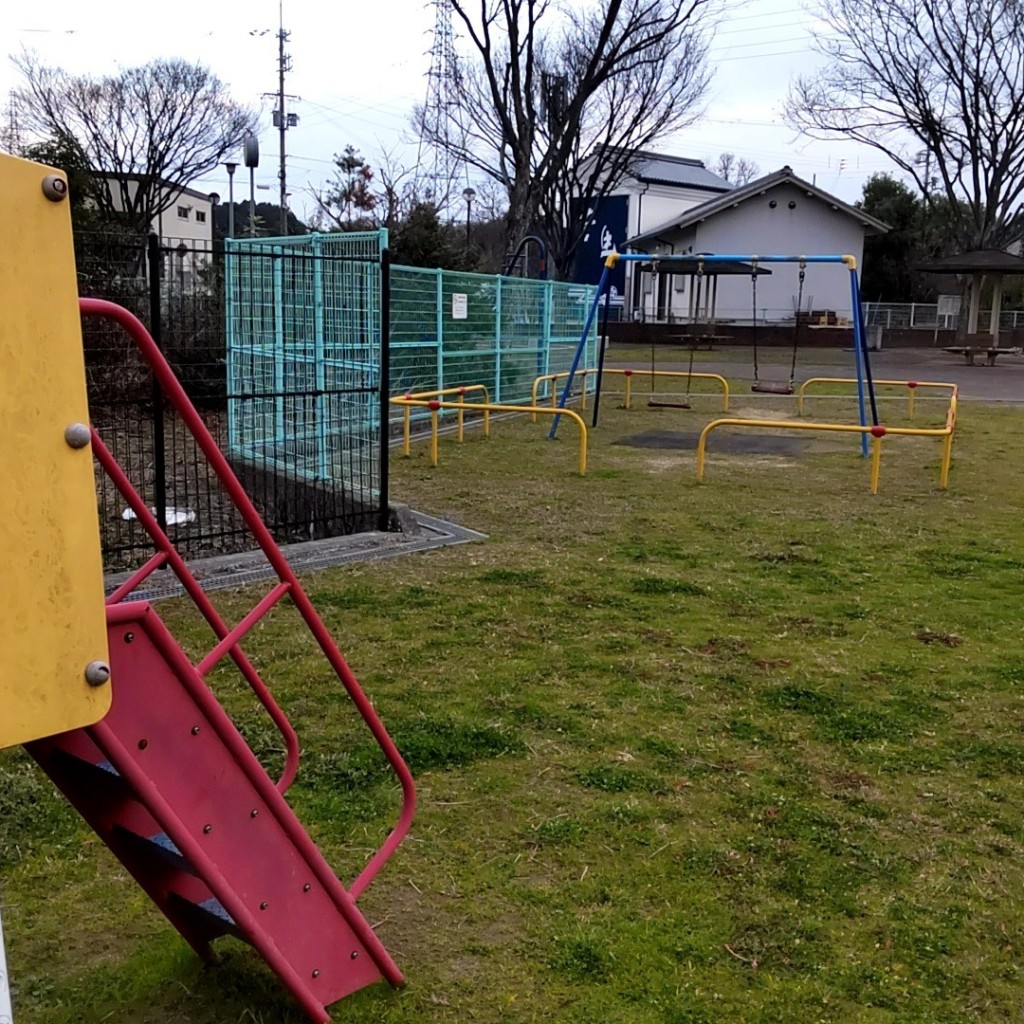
<point x="925" y="157"/>
<point x="282" y="119"/>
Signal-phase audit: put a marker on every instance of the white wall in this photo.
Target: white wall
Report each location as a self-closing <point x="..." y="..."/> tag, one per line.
<point x="650" y="206"/>
<point x="187" y="225"/>
<point x="810" y="227"/>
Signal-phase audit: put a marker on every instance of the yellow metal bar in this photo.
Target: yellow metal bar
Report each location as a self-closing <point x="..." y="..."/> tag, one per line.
<point x="726" y="393"/>
<point x="910" y="402"/>
<point x="629" y="389"/>
<point x="846" y="428"/>
<point x="463" y="389"/>
<point x="53" y="674"/>
<point x="434" y="405"/>
<point x="947" y="455"/>
<point x="406" y="431"/>
<point x="461" y="424"/>
<point x="876" y="461"/>
<point x="932" y="384"/>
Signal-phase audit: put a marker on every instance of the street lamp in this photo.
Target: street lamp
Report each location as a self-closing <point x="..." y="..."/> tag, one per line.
<point x="469" y="194"/>
<point x="230" y="166"/>
<point x="214" y="203"/>
<point x="251" y="155"/>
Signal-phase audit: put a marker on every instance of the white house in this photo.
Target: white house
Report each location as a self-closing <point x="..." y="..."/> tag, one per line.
<point x="657" y="189"/>
<point x="777" y="214"/>
<point x="185" y="227"/>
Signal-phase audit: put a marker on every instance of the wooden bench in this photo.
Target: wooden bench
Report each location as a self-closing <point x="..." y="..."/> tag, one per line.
<point x="970" y="353"/>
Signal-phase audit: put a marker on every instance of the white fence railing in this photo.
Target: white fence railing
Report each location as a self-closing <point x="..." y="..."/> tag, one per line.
<point x="890" y="315"/>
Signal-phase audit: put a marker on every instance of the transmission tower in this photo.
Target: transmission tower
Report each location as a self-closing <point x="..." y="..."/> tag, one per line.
<point x="10" y="135"/>
<point x="440" y="168"/>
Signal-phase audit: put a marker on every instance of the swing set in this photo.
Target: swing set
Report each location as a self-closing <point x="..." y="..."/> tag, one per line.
<point x="713" y="264"/>
<point x="703" y="298"/>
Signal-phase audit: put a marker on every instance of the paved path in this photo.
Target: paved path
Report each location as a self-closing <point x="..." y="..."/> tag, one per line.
<point x="1003" y="382"/>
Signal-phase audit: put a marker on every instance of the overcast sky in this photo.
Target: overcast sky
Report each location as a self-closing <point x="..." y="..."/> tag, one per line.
<point x="359" y="68"/>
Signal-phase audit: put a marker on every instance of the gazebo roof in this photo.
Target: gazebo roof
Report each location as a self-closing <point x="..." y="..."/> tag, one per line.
<point x="979" y="261"/>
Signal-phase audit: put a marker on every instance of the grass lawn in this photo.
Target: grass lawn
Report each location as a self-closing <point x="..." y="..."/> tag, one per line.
<point x="749" y="751"/>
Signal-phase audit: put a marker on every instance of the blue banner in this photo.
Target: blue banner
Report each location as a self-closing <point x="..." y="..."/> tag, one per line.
<point x="606" y="231"/>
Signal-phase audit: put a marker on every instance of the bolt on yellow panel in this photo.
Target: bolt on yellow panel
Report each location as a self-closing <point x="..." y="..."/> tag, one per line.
<point x="52" y="623"/>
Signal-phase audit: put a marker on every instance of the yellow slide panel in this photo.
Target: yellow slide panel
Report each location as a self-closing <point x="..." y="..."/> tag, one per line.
<point x="53" y="638"/>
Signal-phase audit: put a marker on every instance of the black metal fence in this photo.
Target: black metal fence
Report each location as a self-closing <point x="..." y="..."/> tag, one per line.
<point x="177" y="289"/>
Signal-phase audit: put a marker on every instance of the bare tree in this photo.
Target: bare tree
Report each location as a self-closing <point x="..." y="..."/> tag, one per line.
<point x="148" y="131"/>
<point x="556" y="114"/>
<point x="938" y="87"/>
<point x="736" y="171"/>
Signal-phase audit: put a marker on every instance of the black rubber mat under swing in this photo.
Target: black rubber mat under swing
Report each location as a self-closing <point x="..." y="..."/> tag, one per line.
<point x="719" y="442"/>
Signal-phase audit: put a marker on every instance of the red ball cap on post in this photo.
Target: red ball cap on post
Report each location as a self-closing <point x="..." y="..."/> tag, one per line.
<point x="433" y="405"/>
<point x="878" y="431"/>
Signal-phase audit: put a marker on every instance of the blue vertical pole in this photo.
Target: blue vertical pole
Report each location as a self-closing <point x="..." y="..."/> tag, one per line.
<point x="579" y="349"/>
<point x="859" y="355"/>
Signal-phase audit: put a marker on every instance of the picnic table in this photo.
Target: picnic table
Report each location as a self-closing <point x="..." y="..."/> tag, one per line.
<point x="969" y="352"/>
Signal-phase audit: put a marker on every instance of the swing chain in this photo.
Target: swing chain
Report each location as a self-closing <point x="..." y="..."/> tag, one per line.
<point x="796" y="326"/>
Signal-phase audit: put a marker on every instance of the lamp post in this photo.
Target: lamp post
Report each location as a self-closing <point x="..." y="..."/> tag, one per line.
<point x="214" y="203"/>
<point x="469" y="194"/>
<point x="251" y="153"/>
<point x="230" y="166"/>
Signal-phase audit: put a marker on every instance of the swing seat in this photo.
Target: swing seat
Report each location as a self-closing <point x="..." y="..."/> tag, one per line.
<point x="769" y="387"/>
<point x="668" y="405"/>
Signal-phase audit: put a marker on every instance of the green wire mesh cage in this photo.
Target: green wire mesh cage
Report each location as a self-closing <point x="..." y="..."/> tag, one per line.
<point x="304" y="345"/>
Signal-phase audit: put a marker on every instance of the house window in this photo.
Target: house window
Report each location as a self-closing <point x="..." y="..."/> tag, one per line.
<point x="201" y="216"/>
<point x="183" y="213"/>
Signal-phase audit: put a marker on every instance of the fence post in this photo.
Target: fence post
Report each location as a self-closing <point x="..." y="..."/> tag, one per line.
<point x="497" y="342"/>
<point x="231" y="340"/>
<point x="277" y="265"/>
<point x="440" y="328"/>
<point x="384" y="381"/>
<point x="913" y="313"/>
<point x="544" y="355"/>
<point x="154" y="261"/>
<point x="319" y="368"/>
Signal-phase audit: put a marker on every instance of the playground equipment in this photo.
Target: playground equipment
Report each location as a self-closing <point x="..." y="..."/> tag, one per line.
<point x="864" y="382"/>
<point x="776" y="387"/>
<point x="912" y="387"/>
<point x="628" y="375"/>
<point x="424" y="400"/>
<point x="101" y="693"/>
<point x="877" y="432"/>
<point x="441" y="393"/>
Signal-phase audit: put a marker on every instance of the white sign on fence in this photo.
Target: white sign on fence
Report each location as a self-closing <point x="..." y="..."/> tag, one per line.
<point x="949" y="305"/>
<point x="460" y="306"/>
